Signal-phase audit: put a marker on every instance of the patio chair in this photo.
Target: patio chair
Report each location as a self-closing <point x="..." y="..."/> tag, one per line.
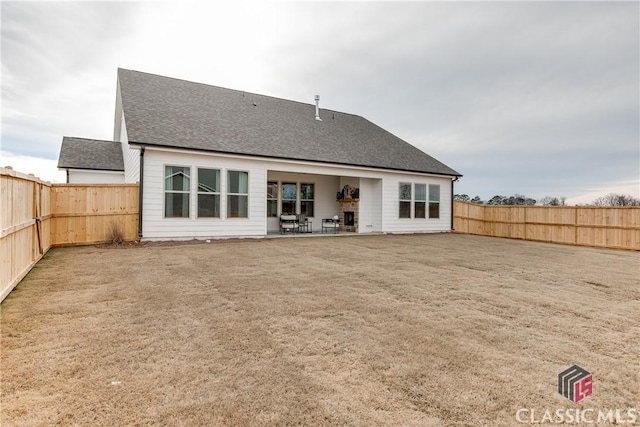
<point x="289" y="223"/>
<point x="304" y="225"/>
<point x="331" y="224"/>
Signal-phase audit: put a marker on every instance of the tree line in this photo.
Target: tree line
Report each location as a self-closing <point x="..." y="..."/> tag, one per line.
<point x="611" y="199"/>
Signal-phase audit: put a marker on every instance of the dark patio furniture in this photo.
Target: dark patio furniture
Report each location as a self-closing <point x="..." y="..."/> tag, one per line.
<point x="304" y="225"/>
<point x="289" y="223"/>
<point x="331" y="224"/>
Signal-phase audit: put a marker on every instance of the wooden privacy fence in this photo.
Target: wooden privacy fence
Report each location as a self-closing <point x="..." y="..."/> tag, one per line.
<point x="36" y="215"/>
<point x="609" y="227"/>
<point x="87" y="213"/>
<point x="25" y="221"/>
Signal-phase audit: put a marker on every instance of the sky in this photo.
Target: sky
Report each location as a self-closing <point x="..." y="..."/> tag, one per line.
<point x="535" y="98"/>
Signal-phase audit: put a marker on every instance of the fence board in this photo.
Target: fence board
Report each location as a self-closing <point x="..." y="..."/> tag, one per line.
<point x="36" y="215"/>
<point x="85" y="213"/>
<point x="610" y="227"/>
<point x="24" y="220"/>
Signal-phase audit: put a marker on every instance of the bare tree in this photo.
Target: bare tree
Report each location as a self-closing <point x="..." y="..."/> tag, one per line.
<point x="553" y="201"/>
<point x="614" y="199"/>
<point x="496" y="200"/>
<point x="515" y="200"/>
<point x="467" y="198"/>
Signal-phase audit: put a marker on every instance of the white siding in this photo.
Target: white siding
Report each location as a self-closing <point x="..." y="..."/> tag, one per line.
<point x="95" y="177"/>
<point x="155" y="226"/>
<point x="130" y="156"/>
<point x="117" y="122"/>
<point x="378" y="194"/>
<point x="370" y="205"/>
<point x="349" y="180"/>
<point x="392" y="223"/>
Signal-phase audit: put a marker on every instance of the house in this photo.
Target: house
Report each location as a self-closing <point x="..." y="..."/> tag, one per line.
<point x="91" y="161"/>
<point x="215" y="162"/>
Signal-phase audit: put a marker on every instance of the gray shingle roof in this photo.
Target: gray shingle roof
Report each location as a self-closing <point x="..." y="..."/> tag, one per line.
<point x="81" y="153"/>
<point x="176" y="113"/>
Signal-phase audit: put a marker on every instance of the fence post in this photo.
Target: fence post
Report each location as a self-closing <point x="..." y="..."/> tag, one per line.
<point x="525" y="222"/>
<point x="575" y="225"/>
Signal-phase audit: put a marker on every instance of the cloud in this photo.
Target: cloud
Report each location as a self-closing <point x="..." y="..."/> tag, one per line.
<point x="535" y="98"/>
<point x="54" y="81"/>
<point x="44" y="169"/>
<point x="484" y="86"/>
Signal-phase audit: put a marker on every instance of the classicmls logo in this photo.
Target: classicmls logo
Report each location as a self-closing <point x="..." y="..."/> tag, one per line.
<point x="575" y="383"/>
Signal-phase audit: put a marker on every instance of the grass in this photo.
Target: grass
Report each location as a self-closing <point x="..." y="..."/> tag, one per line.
<point x="368" y="330"/>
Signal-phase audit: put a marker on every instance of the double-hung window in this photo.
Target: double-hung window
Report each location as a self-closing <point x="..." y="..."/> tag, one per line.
<point x="419" y="204"/>
<point x="289" y="197"/>
<point x="177" y="181"/>
<point x="405" y="200"/>
<point x="208" y="193"/>
<point x="306" y="199"/>
<point x="272" y="199"/>
<point x="434" y="201"/>
<point x="237" y="194"/>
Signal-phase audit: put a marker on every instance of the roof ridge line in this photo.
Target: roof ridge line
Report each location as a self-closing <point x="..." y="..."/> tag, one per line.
<point x="239" y="91"/>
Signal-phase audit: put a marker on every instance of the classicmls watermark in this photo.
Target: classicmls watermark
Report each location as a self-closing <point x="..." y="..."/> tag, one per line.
<point x="576" y="384"/>
<point x="577" y="416"/>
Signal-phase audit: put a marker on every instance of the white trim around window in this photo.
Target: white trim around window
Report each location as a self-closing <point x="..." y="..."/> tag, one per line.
<point x="405" y="198"/>
<point x="420" y="201"/>
<point x="434" y="201"/>
<point x="208" y="195"/>
<point x="176" y="191"/>
<point x="307" y="199"/>
<point x="273" y="187"/>
<point x="414" y="202"/>
<point x="289" y="197"/>
<point x="237" y="193"/>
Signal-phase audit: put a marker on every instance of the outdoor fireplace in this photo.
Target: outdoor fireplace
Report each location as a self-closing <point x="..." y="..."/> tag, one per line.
<point x="349" y="211"/>
<point x="349" y="218"/>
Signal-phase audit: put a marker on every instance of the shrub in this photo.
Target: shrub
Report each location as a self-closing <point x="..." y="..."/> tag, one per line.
<point x="116" y="233"/>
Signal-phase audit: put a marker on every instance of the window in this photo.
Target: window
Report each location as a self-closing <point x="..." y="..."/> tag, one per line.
<point x="405" y="200"/>
<point x="208" y="193"/>
<point x="434" y="201"/>
<point x="237" y="194"/>
<point x="176" y="191"/>
<point x="272" y="199"/>
<point x="306" y="199"/>
<point x="289" y="193"/>
<point x="420" y="202"/>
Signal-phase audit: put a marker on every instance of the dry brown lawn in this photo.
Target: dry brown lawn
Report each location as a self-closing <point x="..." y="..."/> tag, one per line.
<point x="424" y="330"/>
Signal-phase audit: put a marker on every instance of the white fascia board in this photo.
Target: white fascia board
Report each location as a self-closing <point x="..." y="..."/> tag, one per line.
<point x="92" y="170"/>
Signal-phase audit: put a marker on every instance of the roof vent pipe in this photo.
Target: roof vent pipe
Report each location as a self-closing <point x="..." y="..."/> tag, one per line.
<point x="318" y="108"/>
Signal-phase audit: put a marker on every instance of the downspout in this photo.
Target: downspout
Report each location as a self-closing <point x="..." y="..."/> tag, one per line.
<point x="452" y="181"/>
<point x="140" y="187"/>
<point x="67" y="175"/>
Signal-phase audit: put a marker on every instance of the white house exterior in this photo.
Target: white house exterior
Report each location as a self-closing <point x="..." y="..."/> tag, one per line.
<point x="80" y="176"/>
<point x="214" y="162"/>
<point x="91" y="161"/>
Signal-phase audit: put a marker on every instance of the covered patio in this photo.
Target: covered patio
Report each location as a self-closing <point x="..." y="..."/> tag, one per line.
<point x="303" y="203"/>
